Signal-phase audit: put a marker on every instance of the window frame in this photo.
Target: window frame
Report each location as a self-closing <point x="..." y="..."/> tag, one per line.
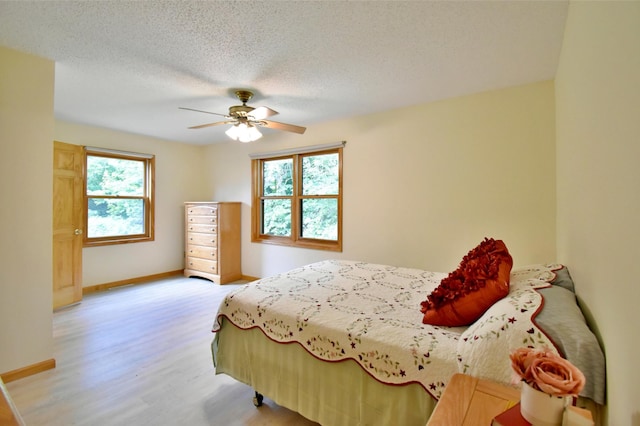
<point x="295" y="239"/>
<point x="148" y="198"/>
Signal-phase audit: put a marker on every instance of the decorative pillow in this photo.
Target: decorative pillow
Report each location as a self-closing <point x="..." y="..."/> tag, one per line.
<point x="563" y="279"/>
<point x="563" y="321"/>
<point x="466" y="293"/>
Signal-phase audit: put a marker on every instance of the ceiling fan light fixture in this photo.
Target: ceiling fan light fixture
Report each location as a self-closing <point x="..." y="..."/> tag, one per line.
<point x="245" y="120"/>
<point x="244" y="132"/>
<point x="252" y="134"/>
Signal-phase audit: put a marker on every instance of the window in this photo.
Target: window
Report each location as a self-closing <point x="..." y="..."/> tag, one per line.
<point x="297" y="198"/>
<point x="118" y="197"/>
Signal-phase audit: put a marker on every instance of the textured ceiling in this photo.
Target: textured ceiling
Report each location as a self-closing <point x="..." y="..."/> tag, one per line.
<point x="130" y="65"/>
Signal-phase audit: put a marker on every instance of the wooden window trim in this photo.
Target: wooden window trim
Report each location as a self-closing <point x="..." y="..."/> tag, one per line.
<point x="295" y="239"/>
<point x="148" y="198"/>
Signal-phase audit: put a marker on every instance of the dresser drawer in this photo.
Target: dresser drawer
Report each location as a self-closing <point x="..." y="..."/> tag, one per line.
<point x="205" y="220"/>
<point x="209" y="240"/>
<point x="210" y="253"/>
<point x="198" y="227"/>
<point x="202" y="210"/>
<point x="203" y="265"/>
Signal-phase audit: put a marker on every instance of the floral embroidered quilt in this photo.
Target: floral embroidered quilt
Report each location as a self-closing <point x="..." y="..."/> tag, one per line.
<point x="341" y="309"/>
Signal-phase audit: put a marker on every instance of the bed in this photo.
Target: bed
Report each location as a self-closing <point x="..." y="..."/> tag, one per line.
<point x="342" y="342"/>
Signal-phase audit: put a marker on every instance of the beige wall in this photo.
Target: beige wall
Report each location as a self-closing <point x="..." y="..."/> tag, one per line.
<point x="598" y="148"/>
<point x="26" y="181"/>
<point x="178" y="178"/>
<point x="423" y="185"/>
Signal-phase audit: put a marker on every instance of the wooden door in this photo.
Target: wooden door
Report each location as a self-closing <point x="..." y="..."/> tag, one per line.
<point x="68" y="210"/>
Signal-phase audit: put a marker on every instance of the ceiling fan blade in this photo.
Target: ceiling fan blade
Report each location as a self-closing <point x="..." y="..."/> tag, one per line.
<point x="262" y="112"/>
<point x="206" y="112"/>
<point x="283" y="126"/>
<point x="218" y="123"/>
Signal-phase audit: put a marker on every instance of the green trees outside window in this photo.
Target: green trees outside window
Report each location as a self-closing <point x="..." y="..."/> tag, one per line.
<point x="277" y="179"/>
<point x="319" y="215"/>
<point x="118" y="200"/>
<point x="297" y="200"/>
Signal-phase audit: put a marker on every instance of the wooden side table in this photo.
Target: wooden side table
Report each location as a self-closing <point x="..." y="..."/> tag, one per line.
<point x="469" y="401"/>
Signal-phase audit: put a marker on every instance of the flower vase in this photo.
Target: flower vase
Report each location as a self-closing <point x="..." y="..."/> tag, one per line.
<point x="541" y="409"/>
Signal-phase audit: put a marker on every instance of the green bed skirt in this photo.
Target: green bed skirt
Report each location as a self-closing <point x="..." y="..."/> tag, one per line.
<point x="330" y="393"/>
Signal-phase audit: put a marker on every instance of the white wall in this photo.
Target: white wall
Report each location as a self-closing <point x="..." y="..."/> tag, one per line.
<point x="178" y="178"/>
<point x="26" y="185"/>
<point x="598" y="149"/>
<point x="423" y="185"/>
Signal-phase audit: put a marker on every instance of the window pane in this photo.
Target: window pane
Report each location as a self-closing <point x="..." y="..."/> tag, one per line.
<point x="320" y="174"/>
<point x="276" y="217"/>
<point x="277" y="177"/>
<point x="320" y="218"/>
<point x="114" y="176"/>
<point x="110" y="218"/>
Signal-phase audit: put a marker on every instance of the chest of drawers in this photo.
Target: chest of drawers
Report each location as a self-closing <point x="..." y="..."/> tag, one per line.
<point x="212" y="241"/>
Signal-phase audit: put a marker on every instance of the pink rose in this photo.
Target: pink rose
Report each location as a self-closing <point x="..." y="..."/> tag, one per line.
<point x="547" y="372"/>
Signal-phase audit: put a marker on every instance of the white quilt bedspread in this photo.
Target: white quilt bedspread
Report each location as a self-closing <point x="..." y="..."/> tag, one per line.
<point x="370" y="313"/>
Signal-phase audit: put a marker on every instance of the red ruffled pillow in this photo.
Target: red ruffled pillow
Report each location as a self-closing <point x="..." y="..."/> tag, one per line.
<point x="466" y="293"/>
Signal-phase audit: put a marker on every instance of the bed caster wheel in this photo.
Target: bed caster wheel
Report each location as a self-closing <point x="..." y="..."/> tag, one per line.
<point x="257" y="400"/>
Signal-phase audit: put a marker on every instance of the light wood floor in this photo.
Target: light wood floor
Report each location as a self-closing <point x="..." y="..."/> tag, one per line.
<point x="140" y="355"/>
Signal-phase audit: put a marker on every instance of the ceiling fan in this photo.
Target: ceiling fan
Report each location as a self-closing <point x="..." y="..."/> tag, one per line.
<point x="245" y="120"/>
